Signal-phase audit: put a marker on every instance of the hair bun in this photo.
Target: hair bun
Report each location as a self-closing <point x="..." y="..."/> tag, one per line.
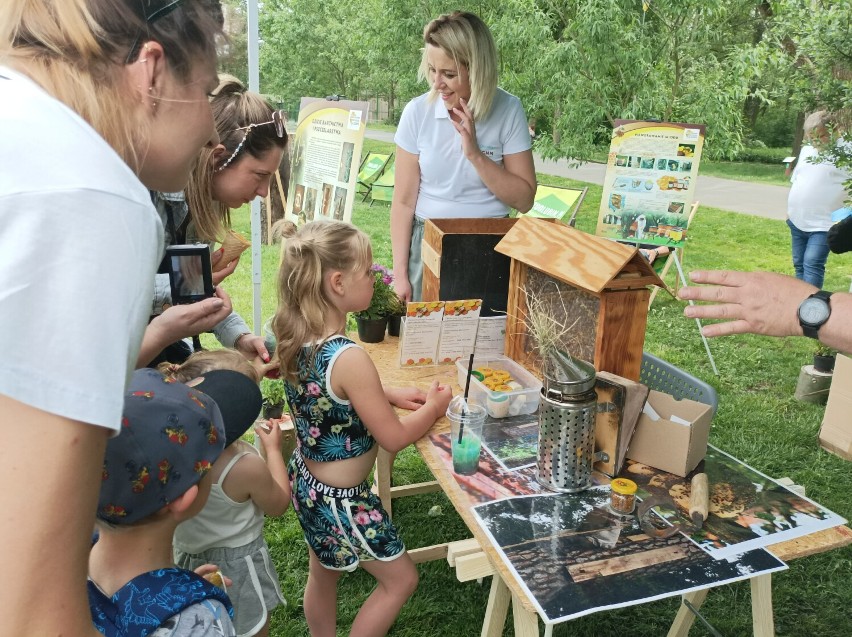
<point x="229" y="85"/>
<point x="283" y="229"/>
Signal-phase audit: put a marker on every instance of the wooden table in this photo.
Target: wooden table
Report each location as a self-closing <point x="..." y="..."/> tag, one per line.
<point x="504" y="586"/>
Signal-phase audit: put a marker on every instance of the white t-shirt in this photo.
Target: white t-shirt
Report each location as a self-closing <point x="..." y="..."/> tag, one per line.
<point x="816" y="191"/>
<point x="79" y="244"/>
<point x="449" y="184"/>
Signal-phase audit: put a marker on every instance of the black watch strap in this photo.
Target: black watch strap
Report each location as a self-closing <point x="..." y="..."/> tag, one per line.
<point x="812" y="331"/>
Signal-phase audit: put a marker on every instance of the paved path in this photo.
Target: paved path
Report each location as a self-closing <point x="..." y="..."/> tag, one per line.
<point x="762" y="200"/>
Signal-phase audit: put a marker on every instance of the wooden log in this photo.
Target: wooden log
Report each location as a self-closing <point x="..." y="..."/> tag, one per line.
<point x="812" y="386"/>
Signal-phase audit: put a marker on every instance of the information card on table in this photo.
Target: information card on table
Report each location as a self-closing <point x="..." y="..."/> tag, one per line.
<point x="458" y="329"/>
<point x="438" y="332"/>
<point x="421" y="333"/>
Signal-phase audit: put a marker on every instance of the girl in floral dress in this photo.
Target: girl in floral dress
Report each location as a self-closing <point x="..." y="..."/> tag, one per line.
<point x="341" y="411"/>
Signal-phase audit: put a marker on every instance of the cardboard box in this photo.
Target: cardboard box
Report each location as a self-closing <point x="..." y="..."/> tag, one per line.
<point x="835" y="435"/>
<point x="667" y="445"/>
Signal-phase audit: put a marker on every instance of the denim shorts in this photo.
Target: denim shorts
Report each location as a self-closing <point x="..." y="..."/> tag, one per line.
<point x="342" y="526"/>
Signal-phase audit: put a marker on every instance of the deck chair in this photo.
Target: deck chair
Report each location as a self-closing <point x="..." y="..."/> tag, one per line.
<point x="556" y="202"/>
<point x="382" y="189"/>
<point x="371" y="168"/>
<point x="669" y="260"/>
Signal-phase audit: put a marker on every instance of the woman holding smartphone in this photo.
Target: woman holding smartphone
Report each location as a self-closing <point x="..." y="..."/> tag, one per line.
<point x="252" y="142"/>
<point x="100" y="100"/>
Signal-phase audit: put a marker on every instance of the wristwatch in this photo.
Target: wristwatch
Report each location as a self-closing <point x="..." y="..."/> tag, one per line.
<point x="814" y="312"/>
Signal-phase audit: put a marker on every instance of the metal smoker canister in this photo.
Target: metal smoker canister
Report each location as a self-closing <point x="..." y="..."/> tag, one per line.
<point x="566" y="424"/>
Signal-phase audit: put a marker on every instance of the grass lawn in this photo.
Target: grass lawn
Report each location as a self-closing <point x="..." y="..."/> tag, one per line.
<point x="758" y="421"/>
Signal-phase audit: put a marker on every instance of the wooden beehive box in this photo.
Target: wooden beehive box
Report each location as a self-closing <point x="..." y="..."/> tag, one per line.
<point x="597" y="285"/>
<point x="459" y="262"/>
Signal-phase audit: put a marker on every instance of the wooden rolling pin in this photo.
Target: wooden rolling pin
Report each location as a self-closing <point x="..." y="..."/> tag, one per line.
<point x="699" y="500"/>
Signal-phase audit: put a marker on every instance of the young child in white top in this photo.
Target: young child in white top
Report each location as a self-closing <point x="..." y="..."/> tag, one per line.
<point x="228" y="531"/>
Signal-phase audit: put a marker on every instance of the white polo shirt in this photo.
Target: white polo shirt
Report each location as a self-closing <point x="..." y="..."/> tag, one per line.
<point x="817" y="191"/>
<point x="449" y="184"/>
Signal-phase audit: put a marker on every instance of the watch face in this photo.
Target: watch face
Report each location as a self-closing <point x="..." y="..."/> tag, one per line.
<point x="814" y="311"/>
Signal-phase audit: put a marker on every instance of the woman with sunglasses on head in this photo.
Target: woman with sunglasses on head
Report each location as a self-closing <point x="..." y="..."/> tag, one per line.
<point x="252" y="142"/>
<point x="462" y="149"/>
<point x="99" y="101"/>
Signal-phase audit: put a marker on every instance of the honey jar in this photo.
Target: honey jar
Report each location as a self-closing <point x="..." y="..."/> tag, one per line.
<point x="622" y="497"/>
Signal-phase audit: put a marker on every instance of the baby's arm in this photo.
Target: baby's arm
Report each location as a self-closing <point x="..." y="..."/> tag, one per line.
<point x="354" y="376"/>
<point x="264" y="482"/>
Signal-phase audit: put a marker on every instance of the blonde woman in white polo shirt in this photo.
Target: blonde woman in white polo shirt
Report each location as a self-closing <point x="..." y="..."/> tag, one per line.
<point x="463" y="148"/>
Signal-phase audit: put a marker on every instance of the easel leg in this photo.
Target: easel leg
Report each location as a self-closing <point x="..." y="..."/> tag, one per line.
<point x="382" y="474"/>
<point x="684" y="619"/>
<point x="761" y="606"/>
<point x="498" y="607"/>
<point x="697" y="321"/>
<point x="526" y="623"/>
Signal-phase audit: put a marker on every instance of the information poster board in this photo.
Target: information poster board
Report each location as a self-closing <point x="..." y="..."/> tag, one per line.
<point x="326" y="153"/>
<point x="650" y="182"/>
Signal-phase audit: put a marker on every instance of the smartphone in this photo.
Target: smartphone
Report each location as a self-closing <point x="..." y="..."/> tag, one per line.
<point x="190" y="273"/>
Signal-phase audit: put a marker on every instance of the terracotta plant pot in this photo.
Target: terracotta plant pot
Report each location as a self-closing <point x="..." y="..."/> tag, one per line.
<point x="394" y="323"/>
<point x="824" y="364"/>
<point x="371" y="330"/>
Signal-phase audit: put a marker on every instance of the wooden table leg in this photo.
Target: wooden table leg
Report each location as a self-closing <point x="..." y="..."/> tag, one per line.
<point x="498" y="607"/>
<point x="526" y="623"/>
<point x="685" y="617"/>
<point x="382" y="476"/>
<point x="761" y="606"/>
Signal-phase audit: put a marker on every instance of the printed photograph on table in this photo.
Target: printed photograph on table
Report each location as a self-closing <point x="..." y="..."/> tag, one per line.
<point x="651" y="166"/>
<point x="492" y="480"/>
<point x="574" y="557"/>
<point x="747" y="509"/>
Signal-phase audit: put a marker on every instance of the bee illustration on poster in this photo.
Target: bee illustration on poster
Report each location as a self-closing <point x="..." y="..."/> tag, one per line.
<point x="650" y="182"/>
<point x="326" y="153"/>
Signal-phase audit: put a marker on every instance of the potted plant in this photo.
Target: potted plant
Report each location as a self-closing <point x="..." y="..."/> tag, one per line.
<point x="824" y="359"/>
<point x="274" y="397"/>
<point x="373" y="320"/>
<point x="397" y="311"/>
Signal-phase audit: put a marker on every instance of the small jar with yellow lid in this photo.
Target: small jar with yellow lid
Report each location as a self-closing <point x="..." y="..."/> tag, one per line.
<point x="622" y="497"/>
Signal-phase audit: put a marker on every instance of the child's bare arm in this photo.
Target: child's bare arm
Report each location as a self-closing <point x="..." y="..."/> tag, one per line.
<point x="355" y="377"/>
<point x="264" y="482"/>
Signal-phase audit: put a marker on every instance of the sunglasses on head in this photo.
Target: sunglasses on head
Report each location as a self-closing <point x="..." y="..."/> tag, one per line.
<point x="278" y="120"/>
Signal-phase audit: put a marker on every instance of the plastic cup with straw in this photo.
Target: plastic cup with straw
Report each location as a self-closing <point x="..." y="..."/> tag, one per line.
<point x="468" y="420"/>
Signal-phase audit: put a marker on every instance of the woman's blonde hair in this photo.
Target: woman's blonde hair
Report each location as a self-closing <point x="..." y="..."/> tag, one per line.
<point x="243" y="121"/>
<point x="200" y="363"/>
<point x="303" y="306"/>
<point x="76" y="50"/>
<point x="466" y="39"/>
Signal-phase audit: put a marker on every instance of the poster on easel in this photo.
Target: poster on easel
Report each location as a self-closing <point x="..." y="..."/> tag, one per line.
<point x="652" y="169"/>
<point x="326" y="153"/>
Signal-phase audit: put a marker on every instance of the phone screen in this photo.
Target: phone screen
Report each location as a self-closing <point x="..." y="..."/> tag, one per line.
<point x="189" y="275"/>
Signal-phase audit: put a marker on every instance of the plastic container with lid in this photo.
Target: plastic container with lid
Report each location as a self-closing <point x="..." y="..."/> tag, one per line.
<point x="522" y="396"/>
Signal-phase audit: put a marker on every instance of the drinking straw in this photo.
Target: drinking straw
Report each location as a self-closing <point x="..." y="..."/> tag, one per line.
<point x="466" y="390"/>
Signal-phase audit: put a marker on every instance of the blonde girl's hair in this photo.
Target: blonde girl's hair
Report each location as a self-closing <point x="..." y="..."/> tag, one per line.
<point x="205" y="361"/>
<point x="466" y="39"/>
<point x="244" y="123"/>
<point x="76" y="50"/>
<point x="303" y="306"/>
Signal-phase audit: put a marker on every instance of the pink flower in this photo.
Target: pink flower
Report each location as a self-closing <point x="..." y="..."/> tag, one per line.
<point x="361" y="518"/>
<point x="387" y="279"/>
<point x="313" y="389"/>
<point x="312" y="494"/>
<point x="375" y="516"/>
<point x="314" y="432"/>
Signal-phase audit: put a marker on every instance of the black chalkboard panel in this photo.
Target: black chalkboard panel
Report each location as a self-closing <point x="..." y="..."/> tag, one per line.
<point x="471" y="269"/>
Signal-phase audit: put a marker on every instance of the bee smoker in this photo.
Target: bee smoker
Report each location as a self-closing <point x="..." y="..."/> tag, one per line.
<point x="566" y="424"/>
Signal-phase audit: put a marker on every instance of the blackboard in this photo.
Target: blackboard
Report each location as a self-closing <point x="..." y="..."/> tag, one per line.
<point x="471" y="269"/>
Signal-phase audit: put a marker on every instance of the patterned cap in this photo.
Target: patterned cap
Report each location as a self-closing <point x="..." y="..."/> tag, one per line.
<point x="170" y="437"/>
